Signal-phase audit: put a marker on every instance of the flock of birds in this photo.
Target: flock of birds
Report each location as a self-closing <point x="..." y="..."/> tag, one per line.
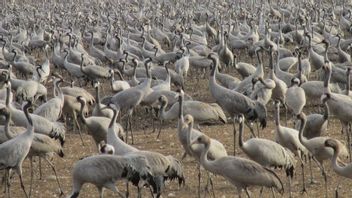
<point x="159" y="46"/>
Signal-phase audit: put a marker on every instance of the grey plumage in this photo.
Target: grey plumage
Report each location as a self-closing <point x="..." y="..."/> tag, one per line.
<point x="14" y="151"/>
<point x="241" y="172"/>
<point x="105" y="170"/>
<point x="42" y="125"/>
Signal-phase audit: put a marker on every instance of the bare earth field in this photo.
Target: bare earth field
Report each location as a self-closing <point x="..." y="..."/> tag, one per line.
<point x="168" y="144"/>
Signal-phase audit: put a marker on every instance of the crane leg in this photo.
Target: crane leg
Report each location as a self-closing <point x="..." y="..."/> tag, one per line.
<point x="289" y="186"/>
<point x="127" y="130"/>
<point x="184" y="156"/>
<point x="273" y="192"/>
<point x="303" y="178"/>
<point x="101" y="192"/>
<point x="325" y="180"/>
<point x="57" y="179"/>
<point x="247" y="193"/>
<point x="337" y="189"/>
<point x="312" y="181"/>
<point x="127" y="190"/>
<point x="32" y="171"/>
<point x="19" y="172"/>
<point x="139" y="190"/>
<point x="40" y="169"/>
<point x="348" y="133"/>
<point x="8" y="183"/>
<point x="78" y="127"/>
<point x="250" y="128"/>
<point x="199" y="176"/>
<point x="234" y="137"/>
<point x="161" y="124"/>
<point x="130" y="124"/>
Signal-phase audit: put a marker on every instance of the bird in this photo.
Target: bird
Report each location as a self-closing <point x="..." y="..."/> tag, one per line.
<point x="345" y="170"/>
<point x="288" y="138"/>
<point x="244" y="69"/>
<point x="130" y="98"/>
<point x="262" y="91"/>
<point x="235" y="103"/>
<point x="14" y="151"/>
<point x="162" y="167"/>
<point x="188" y="134"/>
<point x="52" y="109"/>
<point x="52" y="129"/>
<point x="104" y="170"/>
<point x="118" y="85"/>
<point x="316" y="147"/>
<point x="267" y="153"/>
<point x="94" y="72"/>
<point x="317" y="124"/>
<point x="240" y="172"/>
<point x="97" y="126"/>
<point x="100" y="109"/>
<point x="182" y="64"/>
<point x="201" y="111"/>
<point x="295" y="97"/>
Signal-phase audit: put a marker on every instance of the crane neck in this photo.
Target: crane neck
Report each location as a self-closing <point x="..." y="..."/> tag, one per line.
<point x="163" y="112"/>
<point x="334" y="158"/>
<point x="348" y="80"/>
<point x="301" y="138"/>
<point x="189" y="132"/>
<point x="326" y="111"/>
<point x="327" y="76"/>
<point x="240" y="139"/>
<point x="97" y="96"/>
<point x="113" y="119"/>
<point x="180" y="107"/>
<point x="30" y="127"/>
<point x="8" y="133"/>
<point x="8" y="95"/>
<point x="83" y="118"/>
<point x="277" y="115"/>
<point x="203" y="157"/>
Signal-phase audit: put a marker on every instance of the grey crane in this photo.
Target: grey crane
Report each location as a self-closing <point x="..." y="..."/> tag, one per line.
<point x="244" y="86"/>
<point x="99" y="108"/>
<point x="267" y="153"/>
<point x="339" y="104"/>
<point x="280" y="89"/>
<point x="78" y="91"/>
<point x="244" y="69"/>
<point x="262" y="91"/>
<point x="235" y="103"/>
<point x="162" y="167"/>
<point x="240" y="172"/>
<point x="316" y="147"/>
<point x="345" y="170"/>
<point x="295" y="97"/>
<point x="42" y="146"/>
<point x="41" y="124"/>
<point x="14" y="151"/>
<point x="216" y="151"/>
<point x="52" y="109"/>
<point x="104" y="170"/>
<point x="130" y="98"/>
<point x="288" y="138"/>
<point x="118" y="85"/>
<point x="97" y="126"/>
<point x="201" y="111"/>
<point x="94" y="72"/>
<point x="317" y="124"/>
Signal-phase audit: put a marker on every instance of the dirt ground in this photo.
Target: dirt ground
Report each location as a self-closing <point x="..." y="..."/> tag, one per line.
<point x="168" y="144"/>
